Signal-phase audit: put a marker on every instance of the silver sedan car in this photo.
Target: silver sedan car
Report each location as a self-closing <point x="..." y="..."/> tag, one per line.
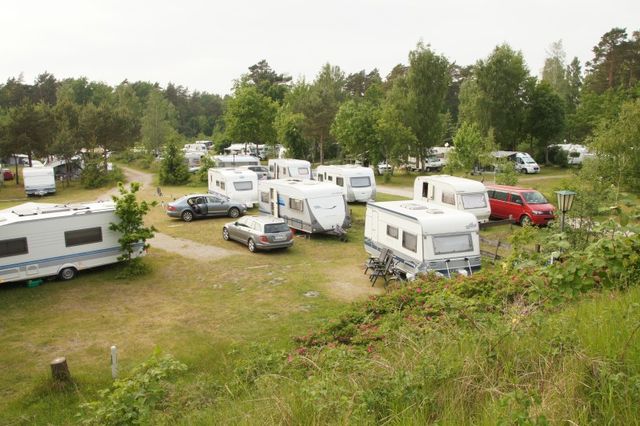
<point x="195" y="206"/>
<point x="259" y="232"/>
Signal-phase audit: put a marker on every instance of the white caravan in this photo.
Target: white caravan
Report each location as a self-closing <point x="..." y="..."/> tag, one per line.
<point x="454" y="192"/>
<point x="39" y="180"/>
<point x="357" y="182"/>
<point x="423" y="237"/>
<point x="524" y="163"/>
<point x="41" y="239"/>
<point x="306" y="205"/>
<point x="196" y="147"/>
<point x="288" y="168"/>
<point x="576" y="154"/>
<point x="238" y="185"/>
<point x="235" y="160"/>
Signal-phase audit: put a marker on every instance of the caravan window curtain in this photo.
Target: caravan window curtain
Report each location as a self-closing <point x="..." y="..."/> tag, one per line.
<point x="13" y="247"/>
<point x="474" y="201"/>
<point x="83" y="236"/>
<point x="446" y="244"/>
<point x="243" y="186"/>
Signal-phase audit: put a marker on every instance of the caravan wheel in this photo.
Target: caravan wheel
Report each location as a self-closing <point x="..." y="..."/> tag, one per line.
<point x="67" y="274"/>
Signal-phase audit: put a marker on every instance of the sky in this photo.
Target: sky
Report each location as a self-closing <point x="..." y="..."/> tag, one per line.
<point x="205" y="45"/>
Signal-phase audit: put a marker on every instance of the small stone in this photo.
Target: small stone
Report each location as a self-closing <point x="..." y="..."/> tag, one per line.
<point x="312" y="294"/>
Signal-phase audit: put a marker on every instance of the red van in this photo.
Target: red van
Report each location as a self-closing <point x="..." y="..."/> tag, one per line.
<point x="525" y="206"/>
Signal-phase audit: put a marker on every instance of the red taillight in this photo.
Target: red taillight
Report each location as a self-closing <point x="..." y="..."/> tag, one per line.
<point x="171" y="208"/>
<point x="263" y="239"/>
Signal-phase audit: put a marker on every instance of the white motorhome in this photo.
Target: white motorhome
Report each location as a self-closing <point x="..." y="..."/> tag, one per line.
<point x="453" y="192"/>
<point x="576" y="154"/>
<point x="39" y="180"/>
<point x="357" y="182"/>
<point x="288" y="168"/>
<point x="239" y="185"/>
<point x="524" y="163"/>
<point x="235" y="160"/>
<point x="306" y="205"/>
<point x="423" y="237"/>
<point x="41" y="239"/>
<point x="196" y="147"/>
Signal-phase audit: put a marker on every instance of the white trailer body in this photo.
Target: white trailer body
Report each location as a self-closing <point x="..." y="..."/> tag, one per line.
<point x="41" y="239"/>
<point x="238" y="184"/>
<point x="576" y="154"/>
<point x="288" y="168"/>
<point x="39" y="180"/>
<point x="306" y="205"/>
<point x="454" y="193"/>
<point x="235" y="160"/>
<point x="423" y="237"/>
<point x="357" y="182"/>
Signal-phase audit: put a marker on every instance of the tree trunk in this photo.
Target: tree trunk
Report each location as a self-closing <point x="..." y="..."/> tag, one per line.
<point x="60" y="370"/>
<point x="321" y="148"/>
<point x="15" y="160"/>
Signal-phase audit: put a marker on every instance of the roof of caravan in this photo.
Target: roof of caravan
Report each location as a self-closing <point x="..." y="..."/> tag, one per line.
<point x="289" y="161"/>
<point x="237" y="158"/>
<point x="38" y="211"/>
<point x="348" y="169"/>
<point x="303" y="188"/>
<point x="460" y="184"/>
<point x="231" y="172"/>
<point x="433" y="218"/>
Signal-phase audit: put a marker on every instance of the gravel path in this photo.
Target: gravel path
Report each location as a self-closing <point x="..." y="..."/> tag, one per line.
<point x="181" y="246"/>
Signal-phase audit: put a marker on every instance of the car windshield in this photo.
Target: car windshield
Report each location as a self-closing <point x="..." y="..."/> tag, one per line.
<point x="360" y="182"/>
<point x="271" y="228"/>
<point x="534" y="197"/>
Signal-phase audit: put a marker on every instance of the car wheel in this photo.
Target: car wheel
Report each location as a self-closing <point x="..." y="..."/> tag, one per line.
<point x="523" y="171"/>
<point x="67" y="274"/>
<point x="225" y="234"/>
<point x="234" y="212"/>
<point x="252" y="246"/>
<point x="187" y="216"/>
<point x="525" y="220"/>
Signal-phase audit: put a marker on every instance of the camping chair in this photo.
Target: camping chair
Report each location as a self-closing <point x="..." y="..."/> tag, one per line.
<point x="382" y="270"/>
<point x="374" y="261"/>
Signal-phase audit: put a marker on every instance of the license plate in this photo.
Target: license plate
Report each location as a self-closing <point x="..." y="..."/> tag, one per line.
<point x="279" y="237"/>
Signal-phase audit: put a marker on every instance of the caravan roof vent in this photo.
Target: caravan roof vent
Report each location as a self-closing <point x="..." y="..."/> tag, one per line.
<point x="414" y="206"/>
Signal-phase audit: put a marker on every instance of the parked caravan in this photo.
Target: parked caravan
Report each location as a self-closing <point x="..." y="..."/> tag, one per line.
<point x="40" y="240"/>
<point x="454" y="193"/>
<point x="306" y="205"/>
<point x="196" y="147"/>
<point x="576" y="154"/>
<point x="235" y="160"/>
<point x="239" y="185"/>
<point x="423" y="237"/>
<point x="39" y="180"/>
<point x="357" y="182"/>
<point x="288" y="168"/>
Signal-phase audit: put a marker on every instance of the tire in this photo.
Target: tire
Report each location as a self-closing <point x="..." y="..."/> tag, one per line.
<point x="234" y="212"/>
<point x="187" y="215"/>
<point x="523" y="171"/>
<point x="251" y="246"/>
<point x="525" y="220"/>
<point x="225" y="234"/>
<point x="67" y="274"/>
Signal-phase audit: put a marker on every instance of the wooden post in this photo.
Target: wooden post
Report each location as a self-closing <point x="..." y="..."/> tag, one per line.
<point x="60" y="370"/>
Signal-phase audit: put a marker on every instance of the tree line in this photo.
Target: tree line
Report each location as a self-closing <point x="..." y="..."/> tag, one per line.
<point x="493" y="104"/>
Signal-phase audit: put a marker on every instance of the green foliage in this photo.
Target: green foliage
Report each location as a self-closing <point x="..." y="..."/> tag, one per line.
<point x="249" y="116"/>
<point x="558" y="156"/>
<point x="132" y="400"/>
<point x="173" y="168"/>
<point x="505" y="173"/>
<point x="94" y="174"/>
<point x="133" y="233"/>
<point x="202" y="175"/>
<point x="545" y="118"/>
<point x="267" y="81"/>
<point x="157" y="122"/>
<point x="290" y="130"/>
<point x="472" y="149"/>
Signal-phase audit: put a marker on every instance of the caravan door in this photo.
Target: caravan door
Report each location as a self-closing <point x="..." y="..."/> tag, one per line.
<point x="273" y="201"/>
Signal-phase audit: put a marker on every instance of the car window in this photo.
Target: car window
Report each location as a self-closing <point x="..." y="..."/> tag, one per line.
<point x="211" y="199"/>
<point x="515" y="198"/>
<point x="500" y="195"/>
<point x="275" y="227"/>
<point x="534" y="197"/>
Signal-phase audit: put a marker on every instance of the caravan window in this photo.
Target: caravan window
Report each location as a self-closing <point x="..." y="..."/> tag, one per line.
<point x="246" y="185"/>
<point x="474" y="201"/>
<point x="264" y="197"/>
<point x="13" y="247"/>
<point x="446" y="244"/>
<point x="360" y="182"/>
<point x="340" y="181"/>
<point x="83" y="236"/>
<point x="320" y="177"/>
<point x="295" y="204"/>
<point x="425" y="189"/>
<point x="221" y="185"/>
<point x="392" y="231"/>
<point x="303" y="171"/>
<point x="449" y="198"/>
<point x="410" y="241"/>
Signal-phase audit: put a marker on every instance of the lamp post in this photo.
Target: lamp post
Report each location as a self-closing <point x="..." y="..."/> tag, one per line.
<point x="565" y="200"/>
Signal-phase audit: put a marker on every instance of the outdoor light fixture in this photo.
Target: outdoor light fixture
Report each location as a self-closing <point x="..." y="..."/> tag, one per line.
<point x="565" y="200"/>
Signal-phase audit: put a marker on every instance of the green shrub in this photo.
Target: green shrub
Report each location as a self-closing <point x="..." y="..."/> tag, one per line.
<point x="131" y="400"/>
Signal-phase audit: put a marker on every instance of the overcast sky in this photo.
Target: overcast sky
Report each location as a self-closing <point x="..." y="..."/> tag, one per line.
<point x="205" y="45"/>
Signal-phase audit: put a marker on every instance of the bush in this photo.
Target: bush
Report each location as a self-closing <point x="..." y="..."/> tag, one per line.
<point x="558" y="156"/>
<point x="132" y="400"/>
